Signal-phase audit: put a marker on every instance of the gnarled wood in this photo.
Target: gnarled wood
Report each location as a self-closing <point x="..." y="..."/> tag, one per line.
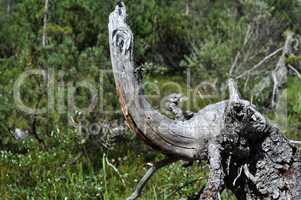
<point x="246" y="153"/>
<point x="186" y="139"/>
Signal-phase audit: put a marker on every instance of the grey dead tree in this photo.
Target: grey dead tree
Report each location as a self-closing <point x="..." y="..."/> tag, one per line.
<point x="277" y="78"/>
<point x="279" y="74"/>
<point x="245" y="152"/>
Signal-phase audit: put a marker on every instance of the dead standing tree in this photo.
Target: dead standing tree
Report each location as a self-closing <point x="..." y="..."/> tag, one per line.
<point x="245" y="152"/>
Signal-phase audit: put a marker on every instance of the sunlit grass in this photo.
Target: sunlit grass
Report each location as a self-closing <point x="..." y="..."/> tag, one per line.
<point x="86" y="179"/>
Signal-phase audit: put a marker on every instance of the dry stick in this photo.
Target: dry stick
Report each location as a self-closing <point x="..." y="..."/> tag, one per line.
<point x="238" y="176"/>
<point x="246" y="83"/>
<point x="263" y="61"/>
<point x="116" y="170"/>
<point x="234" y="64"/>
<point x="246" y="40"/>
<point x="150" y="172"/>
<point x="233" y="91"/>
<point x="275" y="87"/>
<point x="44" y="39"/>
<point x="44" y="43"/>
<point x="296" y="71"/>
<point x="249" y="175"/>
<point x="295" y="142"/>
<point x="187" y="11"/>
<point x="248" y="35"/>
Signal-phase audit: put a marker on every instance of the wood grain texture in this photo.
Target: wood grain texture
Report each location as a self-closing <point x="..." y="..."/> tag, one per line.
<point x="246" y="153"/>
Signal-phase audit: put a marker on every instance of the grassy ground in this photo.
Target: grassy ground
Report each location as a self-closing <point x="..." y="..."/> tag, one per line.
<point x="50" y="175"/>
<point x="66" y="170"/>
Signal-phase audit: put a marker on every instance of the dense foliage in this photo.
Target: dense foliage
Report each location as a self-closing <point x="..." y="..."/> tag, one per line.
<point x="66" y="152"/>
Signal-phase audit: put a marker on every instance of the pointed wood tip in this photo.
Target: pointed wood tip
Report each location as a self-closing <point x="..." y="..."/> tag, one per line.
<point x="233" y="90"/>
<point x="120" y="3"/>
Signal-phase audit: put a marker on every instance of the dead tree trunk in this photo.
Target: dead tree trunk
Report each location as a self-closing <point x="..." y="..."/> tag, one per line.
<point x="246" y="153"/>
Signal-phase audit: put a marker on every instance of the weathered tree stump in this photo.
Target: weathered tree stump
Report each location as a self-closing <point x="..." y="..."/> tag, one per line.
<point x="246" y="153"/>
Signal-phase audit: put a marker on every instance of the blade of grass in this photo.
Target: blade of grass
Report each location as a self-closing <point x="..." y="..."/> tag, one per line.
<point x="106" y="194"/>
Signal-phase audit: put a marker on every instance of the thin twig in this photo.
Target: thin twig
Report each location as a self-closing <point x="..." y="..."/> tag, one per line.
<point x="263" y="61"/>
<point x="116" y="170"/>
<point x="248" y="35"/>
<point x="296" y="71"/>
<point x="150" y="172"/>
<point x="246" y="40"/>
<point x="234" y="64"/>
<point x="295" y="142"/>
<point x="249" y="175"/>
<point x="275" y="94"/>
<point x="246" y="83"/>
<point x="238" y="176"/>
<point x="44" y="37"/>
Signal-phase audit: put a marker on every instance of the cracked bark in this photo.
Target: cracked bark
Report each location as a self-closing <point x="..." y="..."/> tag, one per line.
<point x="246" y="153"/>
